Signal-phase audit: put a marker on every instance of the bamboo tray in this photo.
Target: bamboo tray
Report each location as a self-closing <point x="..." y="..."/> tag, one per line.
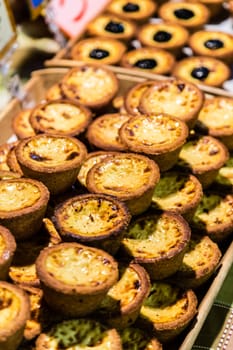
<point x="35" y="90"/>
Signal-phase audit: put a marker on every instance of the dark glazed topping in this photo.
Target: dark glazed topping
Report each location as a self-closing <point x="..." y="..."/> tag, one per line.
<point x="161" y="36"/>
<point x="200" y="73"/>
<point x="37" y="157"/>
<point x="72" y="155"/>
<point x="146" y="63"/>
<point x="114" y="27"/>
<point x="213" y="44"/>
<point x="98" y="54"/>
<point x="131" y="7"/>
<point x="184" y="13"/>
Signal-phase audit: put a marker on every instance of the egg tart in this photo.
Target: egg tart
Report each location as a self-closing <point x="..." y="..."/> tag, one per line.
<point x="216" y="118"/>
<point x="93" y="219"/>
<point x="216" y="7"/>
<point x="63" y="117"/>
<point x="149" y="59"/>
<point x="70" y="284"/>
<point x="136" y="10"/>
<point x="158" y="242"/>
<point x="7" y="250"/>
<point x="176" y="97"/>
<point x="111" y="26"/>
<point x="134" y="338"/>
<point x="178" y="192"/>
<point x="130" y="177"/>
<point x="214" y="215"/>
<point x="103" y="132"/>
<point x="159" y="136"/>
<point x="212" y="43"/>
<point x="21" y="124"/>
<point x="23" y="205"/>
<point x="164" y="35"/>
<point x="53" y="159"/>
<point x="199" y="263"/>
<point x="204" y="155"/>
<point x="98" y="50"/>
<point x="92" y="85"/>
<point x="14" y="312"/>
<point x="121" y="306"/>
<point x="55" y="92"/>
<point x="191" y="15"/>
<point x="168" y="310"/>
<point x="13" y="163"/>
<point x="8" y="175"/>
<point x="4" y="151"/>
<point x="79" y="333"/>
<point x="202" y="70"/>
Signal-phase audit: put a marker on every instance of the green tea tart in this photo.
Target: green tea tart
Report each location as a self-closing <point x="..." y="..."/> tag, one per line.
<point x="158" y="136"/>
<point x="176" y="97"/>
<point x="15" y="311"/>
<point x="214" y="215"/>
<point x="62" y="116"/>
<point x="224" y="177"/>
<point x="7" y="250"/>
<point x="98" y="50"/>
<point x="130" y="177"/>
<point x="149" y="59"/>
<point x="92" y="85"/>
<point x="93" y="219"/>
<point x="178" y="192"/>
<point x="133" y="338"/>
<point x="79" y="333"/>
<point x="51" y="158"/>
<point x="168" y="310"/>
<point x="203" y="156"/>
<point x="136" y="10"/>
<point x="121" y="306"/>
<point x="103" y="132"/>
<point x="70" y="284"/>
<point x="23" y="206"/>
<point x="199" y="263"/>
<point x="158" y="242"/>
<point x="21" y="124"/>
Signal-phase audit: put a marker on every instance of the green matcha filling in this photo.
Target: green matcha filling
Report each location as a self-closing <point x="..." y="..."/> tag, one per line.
<point x="169" y="183"/>
<point x="162" y="295"/>
<point x="134" y="339"/>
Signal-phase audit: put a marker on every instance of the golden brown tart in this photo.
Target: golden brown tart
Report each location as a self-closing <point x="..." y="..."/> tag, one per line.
<point x="202" y="70"/>
<point x="136" y="10"/>
<point x="121" y="306"/>
<point x="93" y="219"/>
<point x="216" y="7"/>
<point x="159" y="136"/>
<point x="168" y="310"/>
<point x="158" y="242"/>
<point x="23" y="205"/>
<point x="111" y="26"/>
<point x="92" y="85"/>
<point x="98" y="50"/>
<point x="4" y="151"/>
<point x="216" y="119"/>
<point x="8" y="175"/>
<point x="203" y="155"/>
<point x="212" y="43"/>
<point x="134" y="338"/>
<point x="7" y="250"/>
<point x="164" y="35"/>
<point x="21" y="124"/>
<point x="70" y="284"/>
<point x="79" y="333"/>
<point x="55" y="92"/>
<point x="53" y="159"/>
<point x="199" y="263"/>
<point x="224" y="177"/>
<point x="15" y="311"/>
<point x="103" y="132"/>
<point x="13" y="163"/>
<point x="191" y="15"/>
<point x="130" y="177"/>
<point x="65" y="117"/>
<point x="176" y="97"/>
<point x="149" y="59"/>
<point x="178" y="192"/>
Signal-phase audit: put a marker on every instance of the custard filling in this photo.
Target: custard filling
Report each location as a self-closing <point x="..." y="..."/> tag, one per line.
<point x="9" y="307"/>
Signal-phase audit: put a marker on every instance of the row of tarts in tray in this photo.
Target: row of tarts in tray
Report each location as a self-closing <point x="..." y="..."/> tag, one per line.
<point x="128" y="227"/>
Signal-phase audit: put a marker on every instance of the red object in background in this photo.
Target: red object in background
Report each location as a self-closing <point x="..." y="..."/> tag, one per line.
<point x="71" y="16"/>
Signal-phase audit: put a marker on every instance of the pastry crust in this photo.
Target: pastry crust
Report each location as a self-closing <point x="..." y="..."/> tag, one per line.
<point x="7" y="250"/>
<point x="21" y="124"/>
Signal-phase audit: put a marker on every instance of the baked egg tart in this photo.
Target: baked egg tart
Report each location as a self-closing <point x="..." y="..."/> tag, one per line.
<point x="135" y="10"/>
<point x="14" y="312"/>
<point x="8" y="175"/>
<point x="79" y="334"/>
<point x="23" y="206"/>
<point x="158" y="242"/>
<point x="121" y="306"/>
<point x="70" y="284"/>
<point x="130" y="177"/>
<point x="53" y="159"/>
<point x="55" y="92"/>
<point x="21" y="124"/>
<point x="93" y="219"/>
<point x="4" y="151"/>
<point x="7" y="250"/>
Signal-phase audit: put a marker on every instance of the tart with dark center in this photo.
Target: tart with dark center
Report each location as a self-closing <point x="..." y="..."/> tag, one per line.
<point x="136" y="10"/>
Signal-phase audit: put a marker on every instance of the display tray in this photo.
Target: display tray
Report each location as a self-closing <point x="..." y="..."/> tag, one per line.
<point x="35" y="90"/>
